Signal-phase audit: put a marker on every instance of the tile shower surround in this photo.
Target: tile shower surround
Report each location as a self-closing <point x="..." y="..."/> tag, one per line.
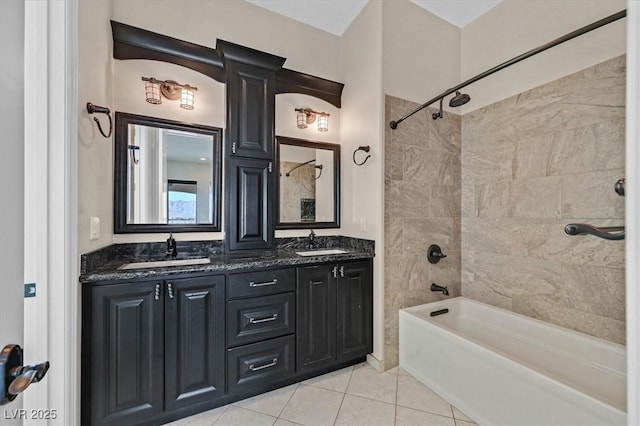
<point x="495" y="189"/>
<point x="531" y="164"/>
<point x="422" y="207"/>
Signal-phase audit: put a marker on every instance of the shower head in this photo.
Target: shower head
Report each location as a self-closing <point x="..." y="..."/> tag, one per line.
<point x="459" y="99"/>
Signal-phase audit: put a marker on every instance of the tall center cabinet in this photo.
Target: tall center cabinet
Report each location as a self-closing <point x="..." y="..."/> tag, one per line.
<point x="249" y="151"/>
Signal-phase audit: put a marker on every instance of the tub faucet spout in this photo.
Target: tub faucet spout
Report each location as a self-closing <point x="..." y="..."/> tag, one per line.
<point x="436" y="287"/>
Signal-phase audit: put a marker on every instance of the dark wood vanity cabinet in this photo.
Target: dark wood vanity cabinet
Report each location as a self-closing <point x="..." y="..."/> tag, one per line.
<point x="155" y="350"/>
<point x="354" y="310"/>
<point x="334" y="314"/>
<point x="125" y="349"/>
<point x="250" y="140"/>
<point x="261" y="322"/>
<point x="251" y="110"/>
<point x="151" y="347"/>
<point x="250" y="198"/>
<point x="194" y="340"/>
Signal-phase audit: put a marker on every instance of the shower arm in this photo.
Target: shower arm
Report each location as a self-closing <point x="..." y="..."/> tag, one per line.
<point x="298" y="166"/>
<point x="580" y="31"/>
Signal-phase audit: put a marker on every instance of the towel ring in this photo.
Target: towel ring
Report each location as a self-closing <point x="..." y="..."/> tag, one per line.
<point x="92" y="109"/>
<point x="364" y="148"/>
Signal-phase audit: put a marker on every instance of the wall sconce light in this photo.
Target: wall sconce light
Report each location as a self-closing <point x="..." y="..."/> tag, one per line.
<point x="155" y="89"/>
<point x="307" y="116"/>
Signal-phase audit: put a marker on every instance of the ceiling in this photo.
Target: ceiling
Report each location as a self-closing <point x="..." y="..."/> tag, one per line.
<point x="335" y="16"/>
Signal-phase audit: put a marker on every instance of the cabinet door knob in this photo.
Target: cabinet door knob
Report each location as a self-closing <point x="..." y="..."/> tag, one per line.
<point x="335" y="271"/>
<point x="233" y="148"/>
<point x="170" y="290"/>
<point x="342" y="271"/>
<point x="156" y="294"/>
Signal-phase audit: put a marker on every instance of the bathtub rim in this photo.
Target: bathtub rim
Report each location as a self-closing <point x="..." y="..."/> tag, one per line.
<point x="443" y="330"/>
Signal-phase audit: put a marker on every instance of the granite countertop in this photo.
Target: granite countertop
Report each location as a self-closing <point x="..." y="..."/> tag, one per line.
<point x="103" y="264"/>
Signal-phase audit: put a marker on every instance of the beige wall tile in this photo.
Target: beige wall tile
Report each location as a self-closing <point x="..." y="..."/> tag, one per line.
<point x="493" y="200"/>
<point x="563" y="143"/>
<point x="591" y="195"/>
<point x="444" y="201"/>
<point x="595" y="290"/>
<point x="595" y="325"/>
<point x="536" y="198"/>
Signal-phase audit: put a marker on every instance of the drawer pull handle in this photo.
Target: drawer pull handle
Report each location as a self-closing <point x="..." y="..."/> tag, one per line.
<point x="273" y="363"/>
<point x="261" y="320"/>
<point x="255" y="284"/>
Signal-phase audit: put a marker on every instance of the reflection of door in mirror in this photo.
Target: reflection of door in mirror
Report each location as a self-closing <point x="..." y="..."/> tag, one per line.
<point x="159" y="156"/>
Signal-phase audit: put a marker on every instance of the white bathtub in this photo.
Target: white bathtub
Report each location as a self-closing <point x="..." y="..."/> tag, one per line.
<point x="502" y="368"/>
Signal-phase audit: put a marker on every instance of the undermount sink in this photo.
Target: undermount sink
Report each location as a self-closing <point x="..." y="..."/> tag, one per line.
<point x="165" y="263"/>
<point x="320" y="252"/>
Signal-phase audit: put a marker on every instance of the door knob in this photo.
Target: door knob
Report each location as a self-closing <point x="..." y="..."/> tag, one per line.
<point x="14" y="377"/>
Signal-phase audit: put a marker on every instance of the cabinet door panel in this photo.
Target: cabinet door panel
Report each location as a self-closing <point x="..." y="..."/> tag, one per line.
<point x="251" y="110"/>
<point x="250" y="204"/>
<point x="195" y="347"/>
<point x="126" y="353"/>
<point x="316" y="318"/>
<point x="355" y="310"/>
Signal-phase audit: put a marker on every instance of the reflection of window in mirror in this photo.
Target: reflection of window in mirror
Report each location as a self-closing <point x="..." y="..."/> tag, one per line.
<point x="182" y="201"/>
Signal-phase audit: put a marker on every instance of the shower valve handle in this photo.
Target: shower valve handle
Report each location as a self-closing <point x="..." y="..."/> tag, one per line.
<point x="434" y="254"/>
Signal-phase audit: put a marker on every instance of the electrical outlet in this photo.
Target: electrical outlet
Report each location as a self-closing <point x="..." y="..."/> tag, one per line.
<point x="94" y="228"/>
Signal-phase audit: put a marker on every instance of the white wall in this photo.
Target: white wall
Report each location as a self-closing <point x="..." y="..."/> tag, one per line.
<point x="362" y="124"/>
<point x="12" y="177"/>
<point x="307" y="49"/>
<point x="514" y="27"/>
<point x="421" y="52"/>
<point x="95" y="153"/>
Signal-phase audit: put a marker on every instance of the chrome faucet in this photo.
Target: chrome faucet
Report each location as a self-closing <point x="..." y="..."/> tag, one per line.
<point x="172" y="247"/>
<point x="436" y="287"/>
<point x="311" y="240"/>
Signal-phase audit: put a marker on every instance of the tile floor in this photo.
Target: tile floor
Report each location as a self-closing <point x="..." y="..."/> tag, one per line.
<point x="353" y="396"/>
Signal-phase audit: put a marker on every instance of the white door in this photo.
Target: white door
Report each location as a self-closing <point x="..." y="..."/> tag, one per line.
<point x="11" y="184"/>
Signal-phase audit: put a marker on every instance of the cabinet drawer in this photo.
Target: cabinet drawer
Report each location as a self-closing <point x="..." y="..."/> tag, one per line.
<point x="259" y="318"/>
<point x="259" y="364"/>
<point x="261" y="283"/>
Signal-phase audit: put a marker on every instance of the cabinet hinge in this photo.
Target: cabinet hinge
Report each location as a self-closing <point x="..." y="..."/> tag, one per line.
<point x="233" y="148"/>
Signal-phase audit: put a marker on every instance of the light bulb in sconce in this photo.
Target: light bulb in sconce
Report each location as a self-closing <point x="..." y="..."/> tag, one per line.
<point x="301" y="120"/>
<point x="323" y="123"/>
<point x="186" y="98"/>
<point x="152" y="90"/>
<point x="305" y="116"/>
<point x="156" y="89"/>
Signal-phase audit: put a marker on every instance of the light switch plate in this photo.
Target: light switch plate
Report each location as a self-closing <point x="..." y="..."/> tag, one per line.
<point x="94" y="228"/>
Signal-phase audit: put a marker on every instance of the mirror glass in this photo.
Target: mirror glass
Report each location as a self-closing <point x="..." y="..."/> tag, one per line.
<point x="309" y="184"/>
<point x="167" y="175"/>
